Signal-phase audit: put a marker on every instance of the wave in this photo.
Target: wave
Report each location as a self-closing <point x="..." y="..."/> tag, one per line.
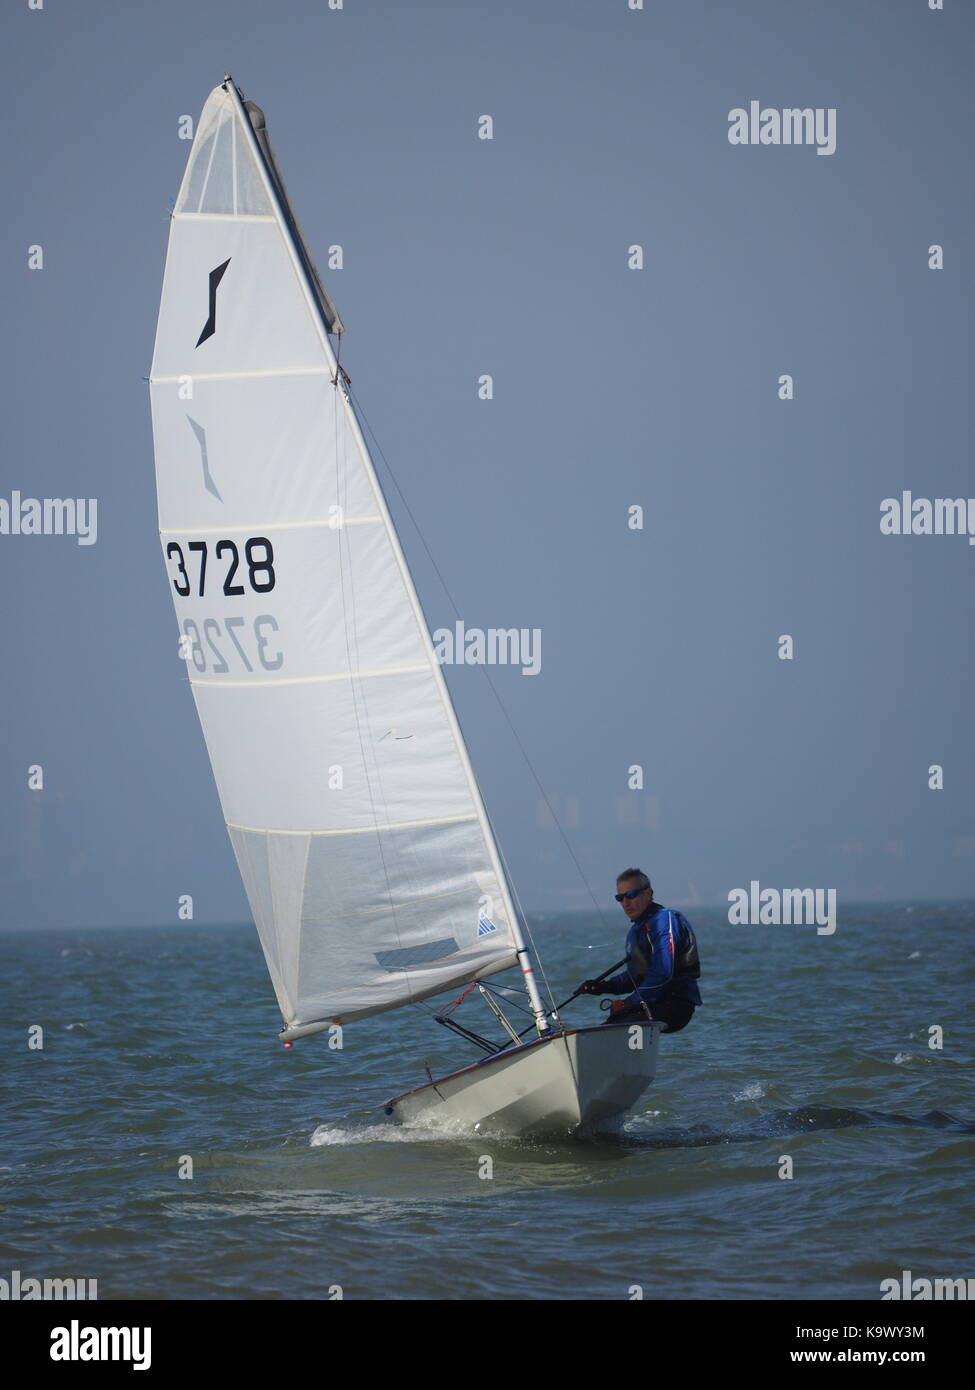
<point x="334" y="1135"/>
<point x="804" y="1120"/>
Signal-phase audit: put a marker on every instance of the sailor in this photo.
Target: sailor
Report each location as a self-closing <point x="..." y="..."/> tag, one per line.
<point x="662" y="964"/>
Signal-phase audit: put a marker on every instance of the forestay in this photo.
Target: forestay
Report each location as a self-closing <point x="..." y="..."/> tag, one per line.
<point x="347" y="791"/>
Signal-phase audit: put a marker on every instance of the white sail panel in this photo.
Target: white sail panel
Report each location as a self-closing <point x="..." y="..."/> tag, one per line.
<point x="273" y="435"/>
<point x="218" y="271"/>
<point x="222" y="176"/>
<point x="302" y="634"/>
<point x="344" y="955"/>
<point x="357" y="825"/>
<point x="380" y="741"/>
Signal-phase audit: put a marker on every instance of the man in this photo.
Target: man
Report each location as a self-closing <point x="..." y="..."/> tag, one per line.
<point x="662" y="964"/>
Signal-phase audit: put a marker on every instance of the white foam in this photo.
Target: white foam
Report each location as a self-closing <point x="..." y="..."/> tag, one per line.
<point x="753" y="1091"/>
<point x="326" y="1135"/>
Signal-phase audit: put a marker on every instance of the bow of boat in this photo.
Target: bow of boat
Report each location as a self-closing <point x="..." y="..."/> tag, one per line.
<point x="567" y="1082"/>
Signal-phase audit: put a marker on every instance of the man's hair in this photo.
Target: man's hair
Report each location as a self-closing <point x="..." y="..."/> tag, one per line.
<point x="635" y="873"/>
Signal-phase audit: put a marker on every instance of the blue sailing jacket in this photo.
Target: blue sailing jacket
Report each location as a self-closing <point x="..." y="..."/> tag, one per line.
<point x="661" y="960"/>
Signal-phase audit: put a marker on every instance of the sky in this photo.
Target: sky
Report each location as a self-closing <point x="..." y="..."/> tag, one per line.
<point x="614" y="387"/>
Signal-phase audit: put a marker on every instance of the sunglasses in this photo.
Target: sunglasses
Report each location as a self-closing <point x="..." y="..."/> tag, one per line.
<point x="633" y="893"/>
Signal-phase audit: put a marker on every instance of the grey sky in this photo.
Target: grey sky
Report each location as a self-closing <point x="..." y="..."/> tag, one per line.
<point x="613" y="387"/>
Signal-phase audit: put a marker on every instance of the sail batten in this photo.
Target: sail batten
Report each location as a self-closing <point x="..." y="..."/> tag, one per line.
<point x="351" y="805"/>
<point x="354" y="829"/>
<point x="222" y="217"/>
<point x="243" y="376"/>
<point x="329" y="676"/>
<point x="275" y="525"/>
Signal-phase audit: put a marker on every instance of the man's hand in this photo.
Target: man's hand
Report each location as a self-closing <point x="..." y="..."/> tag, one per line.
<point x="592" y="987"/>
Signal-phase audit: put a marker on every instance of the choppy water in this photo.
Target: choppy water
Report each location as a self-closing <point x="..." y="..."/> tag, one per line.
<point x="161" y="1044"/>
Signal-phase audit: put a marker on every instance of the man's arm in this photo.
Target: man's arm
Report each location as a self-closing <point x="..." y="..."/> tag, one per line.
<point x="618" y="984"/>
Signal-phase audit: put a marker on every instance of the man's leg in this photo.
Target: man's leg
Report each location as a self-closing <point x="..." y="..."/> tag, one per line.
<point x="676" y="1013"/>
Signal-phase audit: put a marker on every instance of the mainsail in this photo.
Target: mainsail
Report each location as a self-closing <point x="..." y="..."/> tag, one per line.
<point x="358" y="828"/>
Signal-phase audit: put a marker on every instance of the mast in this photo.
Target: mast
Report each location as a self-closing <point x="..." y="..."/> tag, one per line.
<point x="326" y="318"/>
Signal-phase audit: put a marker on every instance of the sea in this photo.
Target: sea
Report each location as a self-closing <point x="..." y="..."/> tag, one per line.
<point x="810" y="1134"/>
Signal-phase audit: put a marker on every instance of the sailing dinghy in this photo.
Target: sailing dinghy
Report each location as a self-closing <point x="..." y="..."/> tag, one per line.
<point x="368" y="859"/>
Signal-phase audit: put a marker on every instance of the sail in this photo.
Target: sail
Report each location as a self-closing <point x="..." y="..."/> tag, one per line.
<point x="356" y="821"/>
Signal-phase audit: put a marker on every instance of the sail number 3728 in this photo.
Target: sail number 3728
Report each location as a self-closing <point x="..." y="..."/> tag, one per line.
<point x="258" y="561"/>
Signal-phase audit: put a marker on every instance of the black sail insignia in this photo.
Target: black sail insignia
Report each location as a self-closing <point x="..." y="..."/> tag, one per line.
<point x="210" y="327"/>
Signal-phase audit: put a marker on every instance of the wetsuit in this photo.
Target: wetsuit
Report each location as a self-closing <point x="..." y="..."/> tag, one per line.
<point x="662" y="970"/>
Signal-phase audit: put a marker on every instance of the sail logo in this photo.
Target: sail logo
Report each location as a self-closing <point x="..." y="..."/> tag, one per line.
<point x="924" y="516"/>
<point x="790" y="126"/>
<point x="484" y="925"/>
<point x="50" y="516"/>
<point x="210" y="327"/>
<point x="756" y="906"/>
<point x="200" y="434"/>
<point x="493" y="646"/>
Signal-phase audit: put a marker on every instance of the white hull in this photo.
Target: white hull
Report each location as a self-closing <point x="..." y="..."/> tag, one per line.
<point x="575" y="1082"/>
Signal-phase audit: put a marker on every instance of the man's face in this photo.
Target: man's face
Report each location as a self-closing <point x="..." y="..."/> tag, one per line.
<point x="635" y="905"/>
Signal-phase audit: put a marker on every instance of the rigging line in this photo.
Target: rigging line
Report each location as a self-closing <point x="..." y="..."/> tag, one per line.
<point x="343" y="382"/>
<point x="517" y="900"/>
<point x="512" y="1003"/>
<point x="374" y="777"/>
<point x="500" y="989"/>
<point x="501" y="855"/>
<point x="352" y="641"/>
<point x="493" y="847"/>
<point x="213" y="150"/>
<point x="500" y="851"/>
<point x="487" y="675"/>
<point x="407" y="849"/>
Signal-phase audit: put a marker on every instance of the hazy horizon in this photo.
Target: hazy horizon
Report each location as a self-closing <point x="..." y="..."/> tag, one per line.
<point x="614" y="388"/>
